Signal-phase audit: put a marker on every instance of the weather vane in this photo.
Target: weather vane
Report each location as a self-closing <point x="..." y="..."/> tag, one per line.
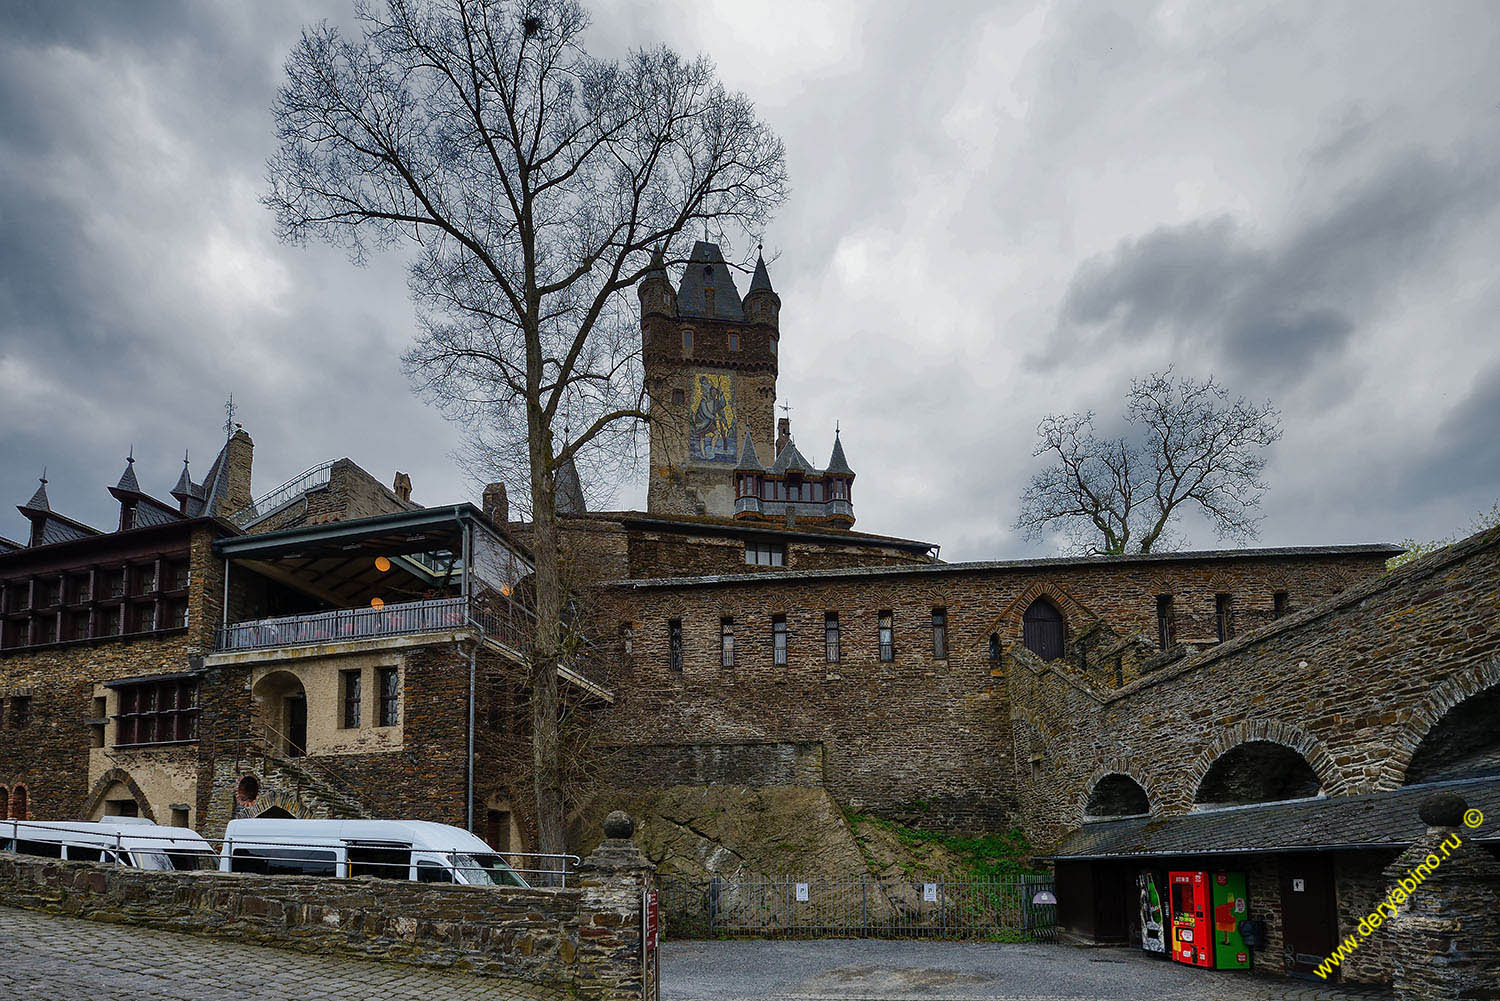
<point x="229" y="412"/>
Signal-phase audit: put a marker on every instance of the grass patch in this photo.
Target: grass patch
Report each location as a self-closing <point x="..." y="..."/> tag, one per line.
<point x="999" y="856"/>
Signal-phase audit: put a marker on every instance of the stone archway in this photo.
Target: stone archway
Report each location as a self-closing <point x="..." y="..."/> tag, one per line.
<point x="1125" y="768"/>
<point x="1117" y="795"/>
<point x="1431" y="711"/>
<point x="281" y="712"/>
<point x="115" y="778"/>
<point x="1264" y="731"/>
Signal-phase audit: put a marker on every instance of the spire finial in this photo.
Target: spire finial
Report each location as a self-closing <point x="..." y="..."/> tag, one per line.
<point x="130" y="458"/>
<point x="44" y="476"/>
<point x="229" y="411"/>
<point x="835" y="427"/>
<point x="184" y="457"/>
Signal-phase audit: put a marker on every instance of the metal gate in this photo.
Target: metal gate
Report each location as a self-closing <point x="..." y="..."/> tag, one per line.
<point x="786" y="906"/>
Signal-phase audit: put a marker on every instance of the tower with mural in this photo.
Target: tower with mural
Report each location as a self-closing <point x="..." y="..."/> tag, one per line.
<point x="710" y="368"/>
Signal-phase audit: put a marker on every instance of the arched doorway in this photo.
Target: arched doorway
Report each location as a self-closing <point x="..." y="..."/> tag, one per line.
<point x="1117" y="795"/>
<point x="281" y="710"/>
<point x="1043" y="629"/>
<point x="1464" y="744"/>
<point x="20" y="803"/>
<point x="1257" y="771"/>
<point x="117" y="801"/>
<point x="275" y="813"/>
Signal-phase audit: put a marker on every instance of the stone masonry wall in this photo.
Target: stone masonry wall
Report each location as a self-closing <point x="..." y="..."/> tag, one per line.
<point x="920" y="736"/>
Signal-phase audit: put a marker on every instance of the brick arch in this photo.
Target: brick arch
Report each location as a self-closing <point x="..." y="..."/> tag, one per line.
<point x="1127" y="767"/>
<point x="108" y="779"/>
<point x="20" y="793"/>
<point x="1429" y="712"/>
<point x="1288" y="735"/>
<point x="1008" y="624"/>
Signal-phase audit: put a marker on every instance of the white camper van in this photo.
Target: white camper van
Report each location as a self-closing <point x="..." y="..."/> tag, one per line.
<point x="387" y="849"/>
<point x="132" y="841"/>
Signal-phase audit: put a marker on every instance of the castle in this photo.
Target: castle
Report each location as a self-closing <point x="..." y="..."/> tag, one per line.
<point x="332" y="648"/>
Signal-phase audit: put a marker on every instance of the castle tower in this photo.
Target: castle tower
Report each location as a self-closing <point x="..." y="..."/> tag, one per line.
<point x="710" y="367"/>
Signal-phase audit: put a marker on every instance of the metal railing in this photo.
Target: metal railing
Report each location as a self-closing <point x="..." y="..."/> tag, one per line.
<point x="268" y="504"/>
<point x="340" y="624"/>
<point x="150" y="848"/>
<point x="859" y="907"/>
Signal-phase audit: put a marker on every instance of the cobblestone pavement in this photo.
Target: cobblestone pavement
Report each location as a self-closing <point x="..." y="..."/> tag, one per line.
<point x="867" y="970"/>
<point x="47" y="958"/>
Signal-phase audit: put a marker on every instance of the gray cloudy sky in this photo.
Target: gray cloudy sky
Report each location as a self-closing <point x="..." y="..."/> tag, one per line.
<point x="998" y="210"/>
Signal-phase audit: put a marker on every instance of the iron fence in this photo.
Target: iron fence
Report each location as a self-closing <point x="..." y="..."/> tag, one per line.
<point x="859" y="907"/>
<point x="397" y="619"/>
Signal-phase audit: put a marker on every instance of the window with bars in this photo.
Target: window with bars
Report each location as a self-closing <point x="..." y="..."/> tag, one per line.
<point x="1163" y="621"/>
<point x="831" y="636"/>
<point x="1224" y="616"/>
<point x="349" y="686"/>
<point x="939" y="634"/>
<point x="157" y="712"/>
<point x="674" y="646"/>
<point x="390" y="696"/>
<point x="726" y="642"/>
<point x="778" y="640"/>
<point x="887" y="636"/>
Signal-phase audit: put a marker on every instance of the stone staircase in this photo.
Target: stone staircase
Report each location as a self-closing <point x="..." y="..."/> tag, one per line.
<point x="303" y="787"/>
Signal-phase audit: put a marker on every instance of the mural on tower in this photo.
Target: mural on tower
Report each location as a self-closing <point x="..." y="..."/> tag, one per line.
<point x="712" y="432"/>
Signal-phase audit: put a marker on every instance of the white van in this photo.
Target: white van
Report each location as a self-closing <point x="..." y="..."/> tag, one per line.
<point x="132" y="841"/>
<point x="387" y="849"/>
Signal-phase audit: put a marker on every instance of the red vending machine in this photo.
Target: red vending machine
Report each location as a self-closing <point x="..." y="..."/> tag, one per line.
<point x="1192" y="931"/>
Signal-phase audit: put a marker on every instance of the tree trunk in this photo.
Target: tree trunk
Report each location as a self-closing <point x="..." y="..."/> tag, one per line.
<point x="545" y="748"/>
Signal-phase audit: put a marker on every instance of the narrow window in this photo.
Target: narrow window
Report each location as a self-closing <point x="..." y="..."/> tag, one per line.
<point x="1163" y="621"/>
<point x="687" y="342"/>
<point x="1280" y="604"/>
<point x="20" y="711"/>
<point x="831" y="636"/>
<point x="939" y="634"/>
<point x="679" y="398"/>
<point x="627" y="638"/>
<point x="351" y="698"/>
<point x="778" y="640"/>
<point x="1224" y="616"/>
<point x="674" y="645"/>
<point x="887" y="633"/>
<point x="734" y="342"/>
<point x="726" y="642"/>
<point x="994" y="648"/>
<point x="390" y="696"/>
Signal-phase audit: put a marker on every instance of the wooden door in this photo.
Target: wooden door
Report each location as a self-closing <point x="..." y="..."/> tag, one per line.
<point x="1309" y="921"/>
<point x="296" y="726"/>
<point x="1042" y="629"/>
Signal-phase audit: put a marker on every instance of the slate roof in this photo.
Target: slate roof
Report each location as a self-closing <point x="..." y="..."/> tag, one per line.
<point x="790" y="458"/>
<point x="749" y="457"/>
<point x="128" y="483"/>
<point x="1380" y="549"/>
<point x="761" y="280"/>
<point x="710" y="525"/>
<point x="706" y="269"/>
<point x="836" y="462"/>
<point x="38" y="500"/>
<point x="569" y="490"/>
<point x="1373" y="820"/>
<point x="9" y="546"/>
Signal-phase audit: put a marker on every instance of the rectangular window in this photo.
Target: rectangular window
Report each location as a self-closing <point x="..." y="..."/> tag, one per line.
<point x="1163" y="621"/>
<point x="20" y="711"/>
<point x="158" y="712"/>
<point x="1280" y="604"/>
<point x="887" y="637"/>
<point x="726" y="642"/>
<point x="939" y="634"/>
<point x="349" y="684"/>
<point x="109" y="621"/>
<point x="674" y="645"/>
<point x="765" y="554"/>
<point x="734" y="342"/>
<point x="114" y="583"/>
<point x="831" y="636"/>
<point x="1224" y="616"/>
<point x="687" y="342"/>
<point x="390" y="696"/>
<point x="778" y="640"/>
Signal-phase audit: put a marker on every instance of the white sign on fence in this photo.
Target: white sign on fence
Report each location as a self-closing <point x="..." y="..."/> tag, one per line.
<point x="929" y="892"/>
<point x="802" y="891"/>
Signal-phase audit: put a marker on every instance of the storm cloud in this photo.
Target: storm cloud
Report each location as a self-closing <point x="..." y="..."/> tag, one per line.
<point x="997" y="212"/>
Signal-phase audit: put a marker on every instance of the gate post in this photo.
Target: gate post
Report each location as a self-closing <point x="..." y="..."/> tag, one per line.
<point x="613" y="962"/>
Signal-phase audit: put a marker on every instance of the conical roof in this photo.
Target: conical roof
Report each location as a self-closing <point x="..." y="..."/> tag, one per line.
<point x="789" y="459"/>
<point x="569" y="490"/>
<point x="836" y="462"/>
<point x="184" y="488"/>
<point x="38" y="500"/>
<point x="761" y="280"/>
<point x="749" y="458"/>
<point x="128" y="483"/>
<point x="707" y="271"/>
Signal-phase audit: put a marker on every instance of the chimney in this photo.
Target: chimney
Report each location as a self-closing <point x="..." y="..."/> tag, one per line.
<point x="239" y="454"/>
<point x="496" y="506"/>
<point x="402" y="487"/>
<point x="783" y="434"/>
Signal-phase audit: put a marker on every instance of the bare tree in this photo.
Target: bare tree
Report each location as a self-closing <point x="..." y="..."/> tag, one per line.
<point x="1186" y="445"/>
<point x="535" y="184"/>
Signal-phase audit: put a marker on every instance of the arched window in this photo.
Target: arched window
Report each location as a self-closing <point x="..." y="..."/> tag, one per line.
<point x="1464" y="744"/>
<point x="4" y="802"/>
<point x="19" y="804"/>
<point x="1258" y="771"/>
<point x="1042" y="629"/>
<point x="1117" y="795"/>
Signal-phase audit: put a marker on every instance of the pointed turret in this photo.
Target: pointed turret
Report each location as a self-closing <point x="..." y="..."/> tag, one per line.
<point x="655" y="289"/>
<point x="836" y="462"/>
<point x="708" y="290"/>
<point x="47" y="526"/>
<point x="839" y="480"/>
<point x="183" y="492"/>
<point x="38" y="500"/>
<point x="128" y="483"/>
<point x="762" y="304"/>
<point x="749" y="457"/>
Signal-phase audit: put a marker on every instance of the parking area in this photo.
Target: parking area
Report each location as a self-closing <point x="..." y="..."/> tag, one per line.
<point x="875" y="970"/>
